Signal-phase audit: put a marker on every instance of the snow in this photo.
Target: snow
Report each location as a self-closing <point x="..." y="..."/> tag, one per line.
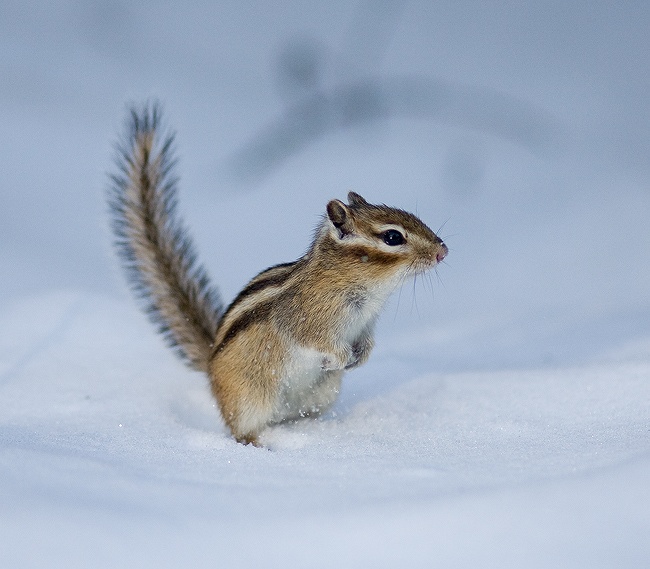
<point x="109" y="446"/>
<point x="504" y="417"/>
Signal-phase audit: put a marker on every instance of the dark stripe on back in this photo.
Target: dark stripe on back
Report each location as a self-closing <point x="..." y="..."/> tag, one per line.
<point x="271" y="280"/>
<point x="256" y="312"/>
<point x="247" y="319"/>
<point x="260" y="282"/>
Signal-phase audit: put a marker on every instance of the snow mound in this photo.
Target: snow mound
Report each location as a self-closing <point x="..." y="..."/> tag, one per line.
<point x="109" y="444"/>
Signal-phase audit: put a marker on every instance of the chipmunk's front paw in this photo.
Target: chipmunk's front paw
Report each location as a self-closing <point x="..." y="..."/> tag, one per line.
<point x="331" y="362"/>
<point x="360" y="352"/>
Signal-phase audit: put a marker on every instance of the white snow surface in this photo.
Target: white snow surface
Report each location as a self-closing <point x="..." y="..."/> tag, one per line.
<point x="504" y="418"/>
<point x="112" y="454"/>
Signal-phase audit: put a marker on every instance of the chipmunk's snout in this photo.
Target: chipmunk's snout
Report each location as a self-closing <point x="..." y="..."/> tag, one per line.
<point x="431" y="254"/>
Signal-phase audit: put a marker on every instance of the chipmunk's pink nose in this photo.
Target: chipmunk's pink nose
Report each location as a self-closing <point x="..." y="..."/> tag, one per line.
<point x="442" y="253"/>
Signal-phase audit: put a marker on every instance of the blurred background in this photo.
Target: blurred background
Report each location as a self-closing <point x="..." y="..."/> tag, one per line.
<point x="518" y="130"/>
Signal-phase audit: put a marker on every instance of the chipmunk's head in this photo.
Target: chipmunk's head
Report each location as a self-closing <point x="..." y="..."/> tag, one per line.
<point x="389" y="240"/>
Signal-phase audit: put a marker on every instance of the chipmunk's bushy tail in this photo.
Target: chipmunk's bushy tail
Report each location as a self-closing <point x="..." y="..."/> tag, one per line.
<point x="153" y="245"/>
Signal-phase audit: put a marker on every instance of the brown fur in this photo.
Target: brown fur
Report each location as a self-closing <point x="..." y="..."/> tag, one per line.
<point x="280" y="349"/>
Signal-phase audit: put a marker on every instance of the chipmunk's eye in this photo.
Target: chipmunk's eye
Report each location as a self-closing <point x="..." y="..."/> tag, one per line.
<point x="393" y="237"/>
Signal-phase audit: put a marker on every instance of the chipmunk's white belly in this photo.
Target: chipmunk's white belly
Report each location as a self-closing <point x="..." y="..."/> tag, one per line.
<point x="305" y="387"/>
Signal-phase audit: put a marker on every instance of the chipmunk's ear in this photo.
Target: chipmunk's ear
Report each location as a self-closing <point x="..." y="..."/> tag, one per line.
<point x="355" y="199"/>
<point x="339" y="215"/>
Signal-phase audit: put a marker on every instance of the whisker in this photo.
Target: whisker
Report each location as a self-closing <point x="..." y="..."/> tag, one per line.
<point x="399" y="296"/>
<point x="440" y="281"/>
<point x="415" y="298"/>
<point x="430" y="281"/>
<point x="442" y="226"/>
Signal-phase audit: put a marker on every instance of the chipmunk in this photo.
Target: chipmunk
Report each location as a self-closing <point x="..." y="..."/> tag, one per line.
<point x="279" y="350"/>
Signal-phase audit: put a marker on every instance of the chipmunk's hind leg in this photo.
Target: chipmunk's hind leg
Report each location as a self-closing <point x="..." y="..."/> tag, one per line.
<point x="249" y="439"/>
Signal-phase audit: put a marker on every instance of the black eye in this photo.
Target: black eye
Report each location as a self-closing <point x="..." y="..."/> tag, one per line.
<point x="393" y="237"/>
